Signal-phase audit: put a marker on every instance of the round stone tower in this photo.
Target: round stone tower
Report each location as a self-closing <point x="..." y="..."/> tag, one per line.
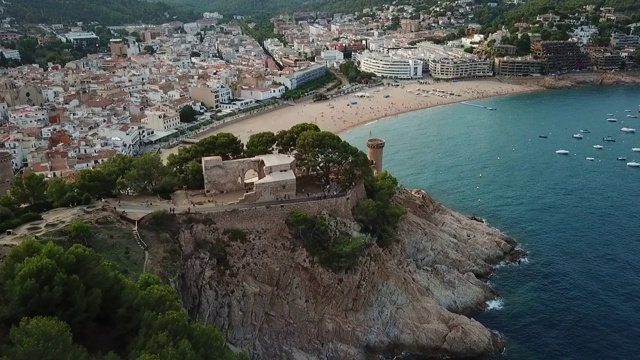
<point x="375" y="147"/>
<point x="6" y="171"/>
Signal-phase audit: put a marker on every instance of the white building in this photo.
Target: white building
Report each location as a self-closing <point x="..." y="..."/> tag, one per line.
<point x="300" y="77"/>
<point x="331" y="57"/>
<point x="391" y="67"/>
<point x="238" y="104"/>
<point x="26" y="116"/>
<point x="450" y="63"/>
<point x="80" y="38"/>
<point x="584" y="34"/>
<point x="262" y="94"/>
<point x="124" y="138"/>
<point x="162" y="118"/>
<point x="11" y="54"/>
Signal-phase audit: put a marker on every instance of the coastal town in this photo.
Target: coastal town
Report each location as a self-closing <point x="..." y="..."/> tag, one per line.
<point x="155" y="88"/>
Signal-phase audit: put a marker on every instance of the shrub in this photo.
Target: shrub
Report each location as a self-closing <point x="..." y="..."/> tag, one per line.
<point x="79" y="230"/>
<point x="236" y="234"/>
<point x="71" y="199"/>
<point x="378" y="216"/>
<point x="86" y="199"/>
<point x="29" y="217"/>
<point x="338" y="253"/>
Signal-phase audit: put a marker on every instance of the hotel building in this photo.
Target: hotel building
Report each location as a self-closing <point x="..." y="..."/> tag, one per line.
<point x="388" y="66"/>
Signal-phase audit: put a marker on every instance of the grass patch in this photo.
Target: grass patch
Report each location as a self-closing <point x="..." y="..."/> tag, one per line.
<point x="115" y="243"/>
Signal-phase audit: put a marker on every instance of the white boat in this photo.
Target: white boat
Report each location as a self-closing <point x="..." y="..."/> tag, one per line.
<point x="633" y="116"/>
<point x="628" y="130"/>
<point x="577" y="136"/>
<point x="562" y="152"/>
<point x="599" y="147"/>
<point x="636" y="149"/>
<point x="585" y="131"/>
<point x="627" y="111"/>
<point x="612" y="120"/>
<point x="622" y="158"/>
<point x="590" y="159"/>
<point x="612" y="114"/>
<point x="633" y="164"/>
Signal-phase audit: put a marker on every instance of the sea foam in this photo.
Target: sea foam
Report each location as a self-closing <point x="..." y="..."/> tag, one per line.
<point x="495" y="304"/>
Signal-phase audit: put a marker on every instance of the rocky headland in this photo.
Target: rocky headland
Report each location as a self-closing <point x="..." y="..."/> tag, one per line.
<point x="574" y="80"/>
<point x="262" y="289"/>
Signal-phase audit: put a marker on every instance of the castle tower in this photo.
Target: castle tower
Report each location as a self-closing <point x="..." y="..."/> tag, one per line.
<point x="375" y="147"/>
<point x="6" y="172"/>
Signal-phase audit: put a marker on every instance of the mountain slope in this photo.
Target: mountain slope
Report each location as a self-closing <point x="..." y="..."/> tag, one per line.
<point x="106" y="12"/>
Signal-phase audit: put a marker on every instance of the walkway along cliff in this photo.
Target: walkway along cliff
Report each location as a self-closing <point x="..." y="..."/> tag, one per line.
<point x="261" y="288"/>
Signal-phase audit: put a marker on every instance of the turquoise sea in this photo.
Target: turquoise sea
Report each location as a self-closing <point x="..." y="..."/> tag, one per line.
<point x="578" y="296"/>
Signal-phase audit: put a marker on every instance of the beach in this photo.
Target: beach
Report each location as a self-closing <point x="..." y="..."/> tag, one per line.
<point x="341" y="114"/>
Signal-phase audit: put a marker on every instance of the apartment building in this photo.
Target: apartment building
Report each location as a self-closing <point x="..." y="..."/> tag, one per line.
<point x="391" y="67"/>
<point x="604" y="58"/>
<point x="559" y="56"/>
<point x="458" y="68"/>
<point x="452" y="63"/>
<point x="300" y="77"/>
<point x="517" y="67"/>
<point x="211" y="95"/>
<point x="622" y="40"/>
<point x="162" y="118"/>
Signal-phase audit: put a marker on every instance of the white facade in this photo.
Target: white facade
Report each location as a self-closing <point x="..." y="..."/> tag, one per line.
<point x="160" y="120"/>
<point x="124" y="138"/>
<point x="238" y="104"/>
<point x="450" y="63"/>
<point x="11" y="54"/>
<point x="387" y="66"/>
<point x="262" y="94"/>
<point x="24" y="117"/>
<point x="447" y="68"/>
<point x="583" y="34"/>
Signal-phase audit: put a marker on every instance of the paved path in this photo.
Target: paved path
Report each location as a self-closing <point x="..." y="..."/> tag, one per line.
<point x="144" y="209"/>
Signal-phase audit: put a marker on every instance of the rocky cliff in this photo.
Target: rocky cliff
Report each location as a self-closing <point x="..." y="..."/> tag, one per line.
<point x="574" y="80"/>
<point x="259" y="286"/>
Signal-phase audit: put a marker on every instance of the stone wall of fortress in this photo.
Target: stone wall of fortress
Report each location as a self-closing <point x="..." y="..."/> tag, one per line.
<point x="340" y="206"/>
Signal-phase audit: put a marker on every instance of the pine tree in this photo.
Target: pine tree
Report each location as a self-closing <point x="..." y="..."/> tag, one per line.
<point x="4" y="62"/>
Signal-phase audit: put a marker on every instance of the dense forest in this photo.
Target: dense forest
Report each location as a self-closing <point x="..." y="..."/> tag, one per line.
<point x="108" y="12"/>
<point x="71" y="304"/>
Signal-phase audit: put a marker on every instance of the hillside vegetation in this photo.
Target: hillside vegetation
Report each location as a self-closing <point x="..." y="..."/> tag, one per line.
<point x="72" y="304"/>
<point x="107" y="12"/>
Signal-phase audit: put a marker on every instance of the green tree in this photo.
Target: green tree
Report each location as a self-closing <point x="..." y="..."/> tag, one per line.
<point x="43" y="338"/>
<point x="28" y="189"/>
<point x="79" y="231"/>
<point x="149" y="50"/>
<point x="287" y="138"/>
<point x="79" y="287"/>
<point x="378" y="215"/>
<point x="228" y="146"/>
<point x="188" y="114"/>
<point x="147" y="175"/>
<point x="57" y="190"/>
<point x="326" y="156"/>
<point x="96" y="183"/>
<point x="338" y="252"/>
<point x="260" y="144"/>
<point x="3" y="61"/>
<point x="193" y="177"/>
<point x="117" y="166"/>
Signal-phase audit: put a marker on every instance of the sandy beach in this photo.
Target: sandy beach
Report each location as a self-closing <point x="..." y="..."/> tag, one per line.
<point x="339" y="114"/>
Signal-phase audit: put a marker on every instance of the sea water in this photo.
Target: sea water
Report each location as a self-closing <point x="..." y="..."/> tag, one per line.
<point x="578" y="295"/>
